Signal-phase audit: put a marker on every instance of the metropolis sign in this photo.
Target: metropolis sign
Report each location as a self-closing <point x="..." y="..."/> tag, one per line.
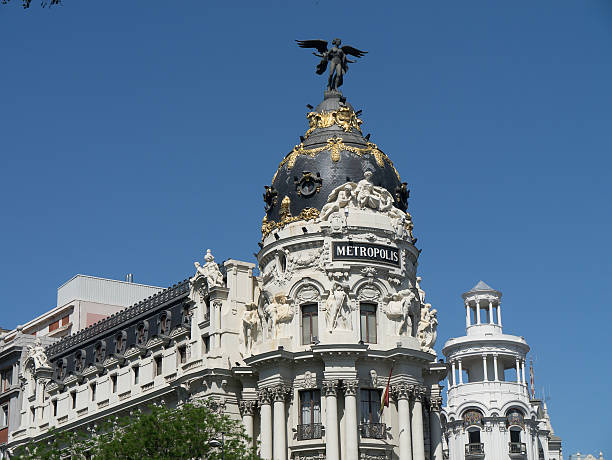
<point x="368" y="252"/>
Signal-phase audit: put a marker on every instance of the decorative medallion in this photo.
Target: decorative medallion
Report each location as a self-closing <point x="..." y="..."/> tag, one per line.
<point x="308" y="185"/>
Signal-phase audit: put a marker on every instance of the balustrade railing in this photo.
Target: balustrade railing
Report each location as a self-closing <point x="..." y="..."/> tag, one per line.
<point x="373" y="430"/>
<point x="517" y="448"/>
<point x="474" y="450"/>
<point x="309" y="431"/>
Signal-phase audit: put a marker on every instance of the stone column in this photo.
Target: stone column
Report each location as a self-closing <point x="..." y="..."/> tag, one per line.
<point x="477" y="312"/>
<point x="332" y="446"/>
<point x="495" y="368"/>
<point x="484" y="368"/>
<point x="523" y="371"/>
<point x="467" y="315"/>
<point x="454" y="382"/>
<point x="435" y="428"/>
<point x="499" y="314"/>
<point x="247" y="409"/>
<point x="351" y="387"/>
<point x="491" y="321"/>
<point x="280" y="393"/>
<point x="418" y="440"/>
<point x="265" y="404"/>
<point x="402" y="392"/>
<point x="518" y="371"/>
<point x="460" y="373"/>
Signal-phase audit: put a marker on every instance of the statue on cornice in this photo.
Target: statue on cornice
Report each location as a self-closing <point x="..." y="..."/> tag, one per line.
<point x="210" y="271"/>
<point x="427" y="332"/>
<point x="338" y="311"/>
<point x="38" y="356"/>
<point x="335" y="57"/>
<point x="278" y="312"/>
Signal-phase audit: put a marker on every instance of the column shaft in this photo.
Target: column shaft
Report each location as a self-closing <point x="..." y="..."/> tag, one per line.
<point x="454" y="377"/>
<point x="350" y="413"/>
<point x="523" y="371"/>
<point x="418" y="440"/>
<point x="280" y="434"/>
<point x="266" y="430"/>
<point x="491" y="321"/>
<point x="460" y="373"/>
<point x="405" y="435"/>
<point x="467" y="315"/>
<point x="331" y="418"/>
<point x="495" y="368"/>
<point x="518" y="371"/>
<point x="484" y="368"/>
<point x="499" y="314"/>
<point x="477" y="313"/>
<point x="435" y="428"/>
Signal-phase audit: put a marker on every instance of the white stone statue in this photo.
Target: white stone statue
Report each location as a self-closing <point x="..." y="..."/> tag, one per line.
<point x="210" y="271"/>
<point x="250" y="321"/>
<point x="427" y="332"/>
<point x="38" y="355"/>
<point x="341" y="197"/>
<point x="279" y="313"/>
<point x="401" y="307"/>
<point x="338" y="311"/>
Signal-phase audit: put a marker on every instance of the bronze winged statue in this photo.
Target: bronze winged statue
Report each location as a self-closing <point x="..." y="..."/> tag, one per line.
<point x="335" y="57"/>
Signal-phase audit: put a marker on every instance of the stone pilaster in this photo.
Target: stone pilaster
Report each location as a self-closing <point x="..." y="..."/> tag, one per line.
<point x="418" y="439"/>
<point x="247" y="409"/>
<point x="351" y="387"/>
<point x="265" y="404"/>
<point x="402" y="392"/>
<point x="280" y="394"/>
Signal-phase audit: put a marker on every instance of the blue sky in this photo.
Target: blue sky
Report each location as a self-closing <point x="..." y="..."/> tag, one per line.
<point x="134" y="135"/>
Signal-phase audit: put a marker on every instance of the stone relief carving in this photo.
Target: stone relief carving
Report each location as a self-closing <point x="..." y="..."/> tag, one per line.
<point x="374" y="378"/>
<point x="308" y="293"/>
<point x="338" y="310"/>
<point x="250" y="323"/>
<point x="368" y="292"/>
<point x="428" y="328"/>
<point x="402" y="308"/>
<point x="310" y="380"/>
<point x="278" y="314"/>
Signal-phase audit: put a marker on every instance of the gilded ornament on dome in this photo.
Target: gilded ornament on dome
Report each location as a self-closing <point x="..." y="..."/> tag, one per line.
<point x="335" y="145"/>
<point x="344" y="117"/>
<point x="285" y="210"/>
<point x="268" y="226"/>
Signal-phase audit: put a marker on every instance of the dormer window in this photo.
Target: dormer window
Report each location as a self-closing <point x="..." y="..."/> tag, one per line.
<point x="163" y="324"/>
<point x="120" y="343"/>
<point x="99" y="352"/>
<point x="142" y="333"/>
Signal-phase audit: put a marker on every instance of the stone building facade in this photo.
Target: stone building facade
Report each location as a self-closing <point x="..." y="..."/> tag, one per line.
<point x="300" y="351"/>
<point x="489" y="412"/>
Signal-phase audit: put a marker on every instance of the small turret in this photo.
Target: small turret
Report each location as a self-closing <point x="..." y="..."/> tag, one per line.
<point x="482" y="310"/>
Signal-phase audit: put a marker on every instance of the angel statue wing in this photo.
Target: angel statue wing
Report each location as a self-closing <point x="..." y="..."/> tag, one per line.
<point x="353" y="51"/>
<point x="321" y="47"/>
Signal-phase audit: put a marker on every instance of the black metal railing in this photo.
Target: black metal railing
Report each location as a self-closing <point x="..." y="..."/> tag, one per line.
<point x="309" y="431"/>
<point x="373" y="430"/>
<point x="474" y="449"/>
<point x="517" y="448"/>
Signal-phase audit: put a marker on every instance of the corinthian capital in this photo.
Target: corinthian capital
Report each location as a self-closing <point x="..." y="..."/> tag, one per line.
<point x="351" y="387"/>
<point x="265" y="396"/>
<point x="247" y="407"/>
<point x="402" y="390"/>
<point x="435" y="403"/>
<point x="330" y="387"/>
<point x="418" y="393"/>
<point x="280" y="392"/>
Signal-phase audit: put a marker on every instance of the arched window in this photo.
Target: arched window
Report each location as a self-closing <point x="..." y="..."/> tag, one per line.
<point x="472" y="421"/>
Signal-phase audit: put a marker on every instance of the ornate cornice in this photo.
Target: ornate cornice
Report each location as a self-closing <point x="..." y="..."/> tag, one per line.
<point x="330" y="387"/>
<point x="351" y="387"/>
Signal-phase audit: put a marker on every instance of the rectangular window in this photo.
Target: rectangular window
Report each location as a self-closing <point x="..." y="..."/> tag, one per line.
<point x="4" y="415"/>
<point x="93" y="391"/>
<point x="310" y="324"/>
<point x="157" y="366"/>
<point x="136" y="371"/>
<point x="114" y="382"/>
<point x="54" y="325"/>
<point x="7" y="378"/>
<point x="474" y="436"/>
<point x="370" y="406"/>
<point x="65" y="320"/>
<point x="54" y="404"/>
<point x="182" y="354"/>
<point x="515" y="436"/>
<point x="73" y="396"/>
<point x="368" y="322"/>
<point x="310" y="407"/>
<point x="33" y="414"/>
<point x="206" y="344"/>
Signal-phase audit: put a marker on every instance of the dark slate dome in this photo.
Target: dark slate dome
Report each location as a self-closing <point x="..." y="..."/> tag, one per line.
<point x="333" y="152"/>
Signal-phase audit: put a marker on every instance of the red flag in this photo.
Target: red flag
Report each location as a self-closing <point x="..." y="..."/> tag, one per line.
<point x="384" y="402"/>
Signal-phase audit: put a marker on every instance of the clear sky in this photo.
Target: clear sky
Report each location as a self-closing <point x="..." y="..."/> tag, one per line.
<point x="136" y="134"/>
